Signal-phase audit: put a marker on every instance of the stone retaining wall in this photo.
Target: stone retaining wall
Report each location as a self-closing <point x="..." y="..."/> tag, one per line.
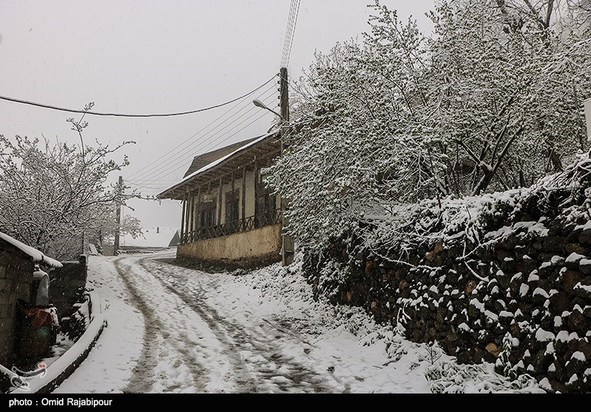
<point x="520" y="297"/>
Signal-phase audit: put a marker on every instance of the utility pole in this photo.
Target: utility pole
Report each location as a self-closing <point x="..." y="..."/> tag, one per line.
<point x="118" y="217"/>
<point x="284" y="105"/>
<point x="287" y="244"/>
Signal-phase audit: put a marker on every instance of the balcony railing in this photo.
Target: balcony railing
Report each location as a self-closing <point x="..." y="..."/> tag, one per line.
<point x="237" y="226"/>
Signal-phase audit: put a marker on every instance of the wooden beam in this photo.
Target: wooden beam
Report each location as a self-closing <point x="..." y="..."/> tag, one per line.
<point x="232" y="189"/>
<point x="192" y="227"/>
<point x="198" y="209"/>
<point x="232" y="186"/>
<point x="256" y="186"/>
<point x="219" y="222"/>
<point x="183" y="220"/>
<point x="188" y="217"/>
<point x="243" y="196"/>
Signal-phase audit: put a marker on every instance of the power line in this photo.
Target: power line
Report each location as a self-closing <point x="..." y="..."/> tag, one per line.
<point x="61" y="109"/>
<point x="158" y="173"/>
<point x="154" y="168"/>
<point x="142" y="186"/>
<point x="157" y="176"/>
<point x="252" y="122"/>
<point x="170" y="154"/>
<point x="252" y="110"/>
<point x="292" y="20"/>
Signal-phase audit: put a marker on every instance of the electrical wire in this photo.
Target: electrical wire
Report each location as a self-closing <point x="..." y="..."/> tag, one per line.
<point x="133" y="183"/>
<point x="157" y="176"/>
<point x="290" y="32"/>
<point x="47" y="106"/>
<point x="185" y="144"/>
<point x="190" y="140"/>
<point x="181" y="162"/>
<point x="149" y="173"/>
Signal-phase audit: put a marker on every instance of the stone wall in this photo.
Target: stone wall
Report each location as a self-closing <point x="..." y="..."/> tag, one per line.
<point x="519" y="297"/>
<point x="16" y="276"/>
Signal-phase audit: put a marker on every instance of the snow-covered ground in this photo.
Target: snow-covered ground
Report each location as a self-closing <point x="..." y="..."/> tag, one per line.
<point x="177" y="330"/>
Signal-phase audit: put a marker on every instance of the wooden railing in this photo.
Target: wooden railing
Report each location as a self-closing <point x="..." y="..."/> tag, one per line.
<point x="237" y="226"/>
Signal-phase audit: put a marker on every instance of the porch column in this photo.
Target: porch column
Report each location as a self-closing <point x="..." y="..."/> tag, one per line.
<point x="197" y="212"/>
<point x="187" y="211"/>
<point x="232" y="191"/>
<point x="243" y="198"/>
<point x="219" y="222"/>
<point x="183" y="219"/>
<point x="256" y="190"/>
<point x="191" y="217"/>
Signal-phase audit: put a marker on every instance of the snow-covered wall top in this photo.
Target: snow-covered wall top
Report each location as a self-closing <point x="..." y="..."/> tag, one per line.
<point x="31" y="251"/>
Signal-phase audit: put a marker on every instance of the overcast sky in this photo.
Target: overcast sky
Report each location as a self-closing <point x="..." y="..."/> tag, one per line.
<point x="147" y="56"/>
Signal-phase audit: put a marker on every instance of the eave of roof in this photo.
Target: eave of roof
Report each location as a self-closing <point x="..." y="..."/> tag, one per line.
<point x="31" y="251"/>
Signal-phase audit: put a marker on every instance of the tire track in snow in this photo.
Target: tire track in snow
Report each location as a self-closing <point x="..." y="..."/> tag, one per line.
<point x="292" y="374"/>
<point x="143" y="379"/>
<point x="241" y="371"/>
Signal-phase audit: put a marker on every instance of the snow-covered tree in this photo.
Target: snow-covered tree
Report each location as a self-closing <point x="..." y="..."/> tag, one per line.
<point x="52" y="196"/>
<point x="492" y="100"/>
<point x="507" y="86"/>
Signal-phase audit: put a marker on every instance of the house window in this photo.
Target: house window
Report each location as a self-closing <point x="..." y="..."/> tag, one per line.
<point x="232" y="211"/>
<point x="207" y="214"/>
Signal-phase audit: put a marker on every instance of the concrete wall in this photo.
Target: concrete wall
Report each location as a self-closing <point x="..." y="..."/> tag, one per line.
<point x="260" y="246"/>
<point x="16" y="276"/>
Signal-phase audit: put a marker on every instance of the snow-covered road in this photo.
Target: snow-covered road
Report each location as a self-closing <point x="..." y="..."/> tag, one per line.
<point x="174" y="330"/>
<point x="189" y="344"/>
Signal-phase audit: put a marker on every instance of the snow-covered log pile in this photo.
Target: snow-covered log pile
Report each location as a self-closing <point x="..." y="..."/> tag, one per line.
<point x="503" y="278"/>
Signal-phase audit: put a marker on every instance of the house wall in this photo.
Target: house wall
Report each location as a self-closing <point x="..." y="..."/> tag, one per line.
<point x="259" y="246"/>
<point x="16" y="277"/>
<point x="250" y="200"/>
<point x="249" y="204"/>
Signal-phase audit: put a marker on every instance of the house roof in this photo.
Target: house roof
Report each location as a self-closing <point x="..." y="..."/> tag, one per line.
<point x="244" y="154"/>
<point x="204" y="159"/>
<point x="31" y="251"/>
